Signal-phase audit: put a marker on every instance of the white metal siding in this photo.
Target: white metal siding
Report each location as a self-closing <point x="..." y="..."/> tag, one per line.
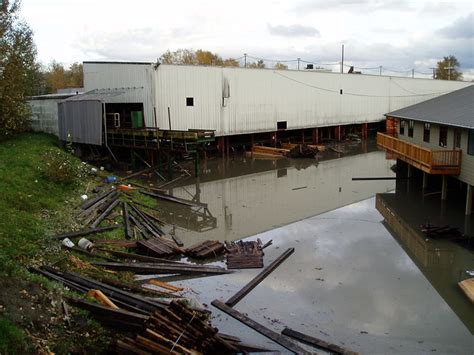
<point x="44" y="115"/>
<point x="175" y="83"/>
<point x="123" y="75"/>
<point x="259" y="98"/>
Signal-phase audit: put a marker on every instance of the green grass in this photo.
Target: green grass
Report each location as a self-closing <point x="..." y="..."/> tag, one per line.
<point x="12" y="339"/>
<point x="30" y="203"/>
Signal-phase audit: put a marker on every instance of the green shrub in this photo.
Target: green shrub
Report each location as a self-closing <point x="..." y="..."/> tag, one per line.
<point x="61" y="167"/>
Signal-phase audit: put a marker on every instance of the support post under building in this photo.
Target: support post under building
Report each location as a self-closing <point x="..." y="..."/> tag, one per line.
<point x="444" y="188"/>
<point x="469" y="200"/>
<point x="425" y="180"/>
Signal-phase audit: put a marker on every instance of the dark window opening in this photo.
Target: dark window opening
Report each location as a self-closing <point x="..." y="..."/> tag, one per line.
<point x="402" y="127"/>
<point x="443" y="136"/>
<point x="426" y="133"/>
<point x="470" y="144"/>
<point x="340" y="91"/>
<point x="190" y="101"/>
<point x="410" y="128"/>
<point x="281" y="125"/>
<point x="457" y="138"/>
<point x="124" y="115"/>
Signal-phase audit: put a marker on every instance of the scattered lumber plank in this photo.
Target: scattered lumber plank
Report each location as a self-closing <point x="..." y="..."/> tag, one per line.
<point x="154" y="268"/>
<point x="104" y="214"/>
<point x="84" y="232"/>
<point x="155" y="247"/>
<point x="467" y="286"/>
<point x="170" y="198"/>
<point x="244" y="255"/>
<point x="99" y="296"/>
<point x="133" y="256"/>
<point x="259" y="278"/>
<point x="117" y="318"/>
<point x="178" y="329"/>
<point x="138" y="173"/>
<point x="278" y="338"/>
<point x="207" y="249"/>
<point x="318" y="343"/>
<point x="96" y="199"/>
<point x="126" y="221"/>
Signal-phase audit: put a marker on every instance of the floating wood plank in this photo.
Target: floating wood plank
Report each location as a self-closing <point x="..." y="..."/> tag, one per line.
<point x="277" y="338"/>
<point x="85" y="232"/>
<point x="319" y="148"/>
<point x="259" y="278"/>
<point x="269" y="151"/>
<point x="165" y="285"/>
<point x="138" y="173"/>
<point x="244" y="255"/>
<point x="207" y="249"/>
<point x="170" y="198"/>
<point x="467" y="286"/>
<point x="152" y="268"/>
<point x="318" y="343"/>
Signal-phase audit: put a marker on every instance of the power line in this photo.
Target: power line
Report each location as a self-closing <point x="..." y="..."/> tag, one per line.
<point x="351" y="93"/>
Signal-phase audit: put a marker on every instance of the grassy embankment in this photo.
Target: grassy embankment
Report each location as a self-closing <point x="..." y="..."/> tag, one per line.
<point x="34" y="207"/>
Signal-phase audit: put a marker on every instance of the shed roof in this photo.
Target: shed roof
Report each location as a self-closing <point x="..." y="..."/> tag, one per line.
<point x="102" y="95"/>
<point x="453" y="109"/>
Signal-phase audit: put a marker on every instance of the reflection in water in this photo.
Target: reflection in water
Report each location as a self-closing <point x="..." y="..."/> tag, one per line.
<point x="442" y="262"/>
<point x="348" y="282"/>
<point x="245" y="205"/>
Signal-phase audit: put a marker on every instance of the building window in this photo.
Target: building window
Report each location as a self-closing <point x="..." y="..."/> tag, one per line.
<point x="402" y="127"/>
<point x="470" y="143"/>
<point x="457" y="138"/>
<point x="410" y="128"/>
<point x="190" y="101"/>
<point x="426" y="133"/>
<point x="443" y="136"/>
<point x="281" y="125"/>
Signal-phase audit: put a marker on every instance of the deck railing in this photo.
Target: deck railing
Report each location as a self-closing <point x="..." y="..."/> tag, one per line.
<point x="431" y="161"/>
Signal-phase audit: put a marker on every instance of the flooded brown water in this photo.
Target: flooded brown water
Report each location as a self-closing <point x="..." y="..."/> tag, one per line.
<point x="349" y="281"/>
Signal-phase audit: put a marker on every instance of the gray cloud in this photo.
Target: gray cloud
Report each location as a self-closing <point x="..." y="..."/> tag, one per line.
<point x="461" y="28"/>
<point x="293" y="30"/>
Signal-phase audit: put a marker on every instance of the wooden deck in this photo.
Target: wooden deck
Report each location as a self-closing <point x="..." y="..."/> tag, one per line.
<point x="443" y="161"/>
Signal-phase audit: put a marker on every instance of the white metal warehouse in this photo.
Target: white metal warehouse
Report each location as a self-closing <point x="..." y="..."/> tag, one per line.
<point x="235" y="101"/>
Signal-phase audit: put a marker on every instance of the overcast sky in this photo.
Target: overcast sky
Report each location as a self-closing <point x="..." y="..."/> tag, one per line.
<point x="396" y="34"/>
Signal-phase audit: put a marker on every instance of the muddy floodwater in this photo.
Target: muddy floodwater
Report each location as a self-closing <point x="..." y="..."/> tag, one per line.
<point x="349" y="280"/>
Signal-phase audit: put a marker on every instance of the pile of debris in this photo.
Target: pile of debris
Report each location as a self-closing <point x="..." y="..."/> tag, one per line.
<point x="447" y="232"/>
<point x="302" y="151"/>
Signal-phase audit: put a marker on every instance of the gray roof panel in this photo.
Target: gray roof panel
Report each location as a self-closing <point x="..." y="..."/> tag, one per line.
<point x="453" y="109"/>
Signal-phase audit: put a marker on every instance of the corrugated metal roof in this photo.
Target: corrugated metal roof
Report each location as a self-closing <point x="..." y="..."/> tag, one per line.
<point x="102" y="95"/>
<point x="453" y="109"/>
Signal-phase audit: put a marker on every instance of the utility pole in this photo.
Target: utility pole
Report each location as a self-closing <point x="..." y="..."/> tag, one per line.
<point x="449" y="68"/>
<point x="413" y="73"/>
<point x="298" y="63"/>
<point x="434" y="73"/>
<point x="245" y="60"/>
<point x="380" y="70"/>
<point x="342" y="60"/>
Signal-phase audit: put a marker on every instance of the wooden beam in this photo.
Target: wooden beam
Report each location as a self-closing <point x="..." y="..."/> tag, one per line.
<point x="277" y="338"/>
<point x="332" y="348"/>
<point x="231" y="302"/>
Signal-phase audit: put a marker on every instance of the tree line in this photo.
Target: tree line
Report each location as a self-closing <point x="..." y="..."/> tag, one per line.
<point x="22" y="76"/>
